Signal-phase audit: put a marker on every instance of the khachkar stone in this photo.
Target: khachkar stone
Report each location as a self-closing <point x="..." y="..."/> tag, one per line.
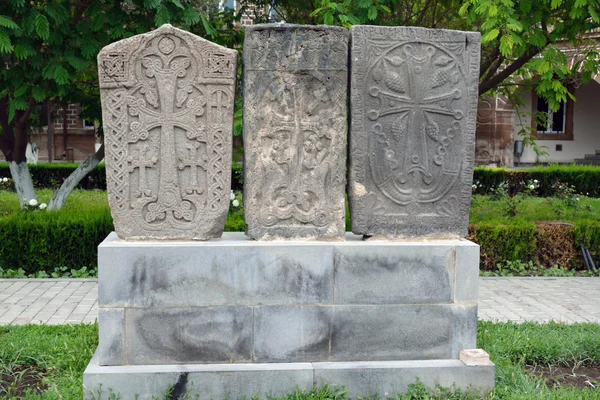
<point x="412" y="133"/>
<point x="295" y="131"/>
<point x="167" y="107"/>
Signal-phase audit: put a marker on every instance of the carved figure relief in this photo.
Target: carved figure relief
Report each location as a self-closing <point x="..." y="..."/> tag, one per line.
<point x="294" y="131"/>
<point x="413" y="107"/>
<point x="168" y="123"/>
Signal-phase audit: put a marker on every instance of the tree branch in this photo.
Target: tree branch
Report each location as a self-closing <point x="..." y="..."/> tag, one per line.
<point x="495" y="80"/>
<point x="60" y="196"/>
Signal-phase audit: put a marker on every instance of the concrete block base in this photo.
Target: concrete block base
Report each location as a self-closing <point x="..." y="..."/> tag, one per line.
<point x="233" y="381"/>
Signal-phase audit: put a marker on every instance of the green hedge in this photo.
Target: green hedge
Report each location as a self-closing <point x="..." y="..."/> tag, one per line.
<point x="51" y="176"/>
<point x="36" y="241"/>
<point x="545" y="244"/>
<point x="585" y="178"/>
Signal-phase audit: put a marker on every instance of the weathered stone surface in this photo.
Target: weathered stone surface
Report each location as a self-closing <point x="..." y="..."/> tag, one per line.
<point x="234" y="381"/>
<point x="386" y="379"/>
<point x="111" y="332"/>
<point x="290" y="334"/>
<point x="167" y="107"/>
<point x="240" y="300"/>
<point x="193" y="335"/>
<point x="412" y="133"/>
<point x="403" y="332"/>
<point x="234" y="271"/>
<point x="295" y="131"/>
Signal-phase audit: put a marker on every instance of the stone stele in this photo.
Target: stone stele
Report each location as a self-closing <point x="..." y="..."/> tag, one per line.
<point x="295" y="87"/>
<point x="167" y="107"/>
<point x="412" y="133"/>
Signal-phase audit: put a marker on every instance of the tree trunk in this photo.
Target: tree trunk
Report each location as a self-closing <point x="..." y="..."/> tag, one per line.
<point x="23" y="183"/>
<point x="60" y="196"/>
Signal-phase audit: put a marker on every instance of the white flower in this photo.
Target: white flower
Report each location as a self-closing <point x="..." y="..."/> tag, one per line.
<point x="235" y="203"/>
<point x="531" y="187"/>
<point x="4" y="180"/>
<point x="33" y="202"/>
<point x="535" y="181"/>
<point x="43" y="206"/>
<point x="232" y="196"/>
<point x="474" y="187"/>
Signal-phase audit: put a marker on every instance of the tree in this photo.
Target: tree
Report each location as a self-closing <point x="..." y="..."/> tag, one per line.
<point x="48" y="49"/>
<point x="521" y="40"/>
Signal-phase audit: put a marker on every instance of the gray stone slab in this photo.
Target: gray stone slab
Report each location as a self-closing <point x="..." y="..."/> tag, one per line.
<point x="236" y="270"/>
<point x="231" y="271"/>
<point x="213" y="381"/>
<point x="404" y="332"/>
<point x="111" y="336"/>
<point x="189" y="335"/>
<point x="466" y="288"/>
<point x="295" y="88"/>
<point x="412" y="132"/>
<point x="167" y="108"/>
<point x="387" y="379"/>
<point x="233" y="381"/>
<point x="392" y="274"/>
<point x="292" y="334"/>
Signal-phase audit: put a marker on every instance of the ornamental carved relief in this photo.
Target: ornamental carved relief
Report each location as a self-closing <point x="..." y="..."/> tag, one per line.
<point x="168" y="113"/>
<point x="413" y="100"/>
<point x="294" y="131"/>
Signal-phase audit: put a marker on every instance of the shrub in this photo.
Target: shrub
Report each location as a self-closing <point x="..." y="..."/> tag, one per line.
<point x="555" y="246"/>
<point x="42" y="241"/>
<point x="504" y="242"/>
<point x="584" y="178"/>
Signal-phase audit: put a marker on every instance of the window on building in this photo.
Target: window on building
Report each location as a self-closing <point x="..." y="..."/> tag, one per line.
<point x="552" y="125"/>
<point x="88" y="124"/>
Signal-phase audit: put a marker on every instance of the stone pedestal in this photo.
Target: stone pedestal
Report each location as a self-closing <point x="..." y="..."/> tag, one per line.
<point x="237" y="317"/>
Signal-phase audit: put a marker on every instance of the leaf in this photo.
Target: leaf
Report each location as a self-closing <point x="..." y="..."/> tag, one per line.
<point x="210" y="30"/>
<point x="163" y="16"/>
<point x="7" y="22"/>
<point x="328" y="18"/>
<point x="57" y="12"/>
<point x="21" y="52"/>
<point x="38" y="93"/>
<point x="555" y="3"/>
<point x="178" y="4"/>
<point x="98" y="21"/>
<point x="151" y="4"/>
<point x="372" y="14"/>
<point x="5" y="44"/>
<point x="191" y="16"/>
<point x="48" y="71"/>
<point x="20" y="91"/>
<point x="61" y="75"/>
<point x="42" y="27"/>
<point x="89" y="48"/>
<point x="490" y="35"/>
<point x="76" y="62"/>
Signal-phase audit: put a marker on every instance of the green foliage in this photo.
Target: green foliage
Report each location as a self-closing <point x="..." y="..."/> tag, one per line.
<point x="504" y="242"/>
<point x="584" y="179"/>
<point x="41" y="241"/>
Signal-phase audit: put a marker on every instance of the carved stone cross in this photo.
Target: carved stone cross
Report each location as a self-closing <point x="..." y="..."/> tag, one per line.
<point x="167" y="108"/>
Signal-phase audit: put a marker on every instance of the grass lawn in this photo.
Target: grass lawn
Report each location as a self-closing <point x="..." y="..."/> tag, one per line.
<point x="483" y="208"/>
<point x="534" y="209"/>
<point x="47" y="362"/>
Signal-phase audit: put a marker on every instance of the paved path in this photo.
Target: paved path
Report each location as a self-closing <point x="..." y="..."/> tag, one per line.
<point x="60" y="301"/>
